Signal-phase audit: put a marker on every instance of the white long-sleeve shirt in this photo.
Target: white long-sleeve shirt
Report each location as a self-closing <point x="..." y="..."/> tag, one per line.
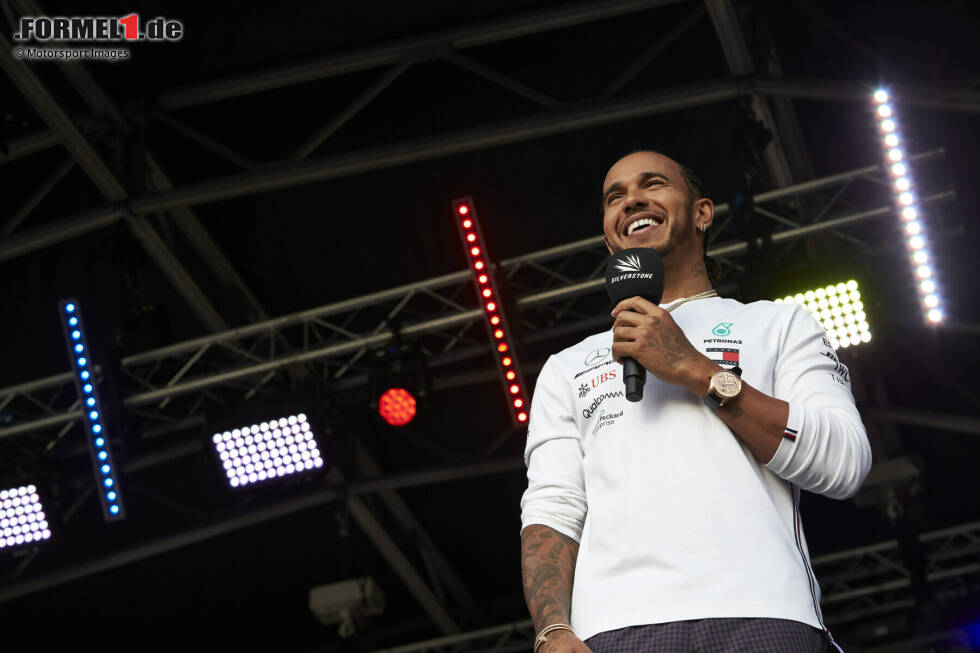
<point x="674" y="516"/>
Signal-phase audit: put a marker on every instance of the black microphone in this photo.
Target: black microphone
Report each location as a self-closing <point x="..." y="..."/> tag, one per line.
<point x="635" y="272"/>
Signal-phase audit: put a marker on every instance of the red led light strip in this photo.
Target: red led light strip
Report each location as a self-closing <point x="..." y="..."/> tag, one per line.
<point x="464" y="215"/>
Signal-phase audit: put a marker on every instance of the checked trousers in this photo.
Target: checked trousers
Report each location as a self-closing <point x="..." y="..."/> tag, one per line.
<point x="714" y="636"/>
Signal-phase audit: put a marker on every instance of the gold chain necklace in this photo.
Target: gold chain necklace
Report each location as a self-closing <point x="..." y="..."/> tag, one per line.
<point x="684" y="300"/>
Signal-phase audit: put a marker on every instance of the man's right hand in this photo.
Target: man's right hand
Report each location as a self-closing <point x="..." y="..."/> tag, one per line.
<point x="563" y="641"/>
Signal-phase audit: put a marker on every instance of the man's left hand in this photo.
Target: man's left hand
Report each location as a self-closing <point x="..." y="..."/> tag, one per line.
<point x="648" y="333"/>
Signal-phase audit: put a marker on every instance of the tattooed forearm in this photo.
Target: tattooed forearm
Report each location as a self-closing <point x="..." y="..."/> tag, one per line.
<point x="548" y="566"/>
<point x="674" y="348"/>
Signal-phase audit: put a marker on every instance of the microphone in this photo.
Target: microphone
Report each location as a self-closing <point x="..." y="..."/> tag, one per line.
<point x="635" y="272"/>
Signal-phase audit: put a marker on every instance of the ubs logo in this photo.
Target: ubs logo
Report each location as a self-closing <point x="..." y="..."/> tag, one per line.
<point x="599" y="379"/>
<point x="596" y="356"/>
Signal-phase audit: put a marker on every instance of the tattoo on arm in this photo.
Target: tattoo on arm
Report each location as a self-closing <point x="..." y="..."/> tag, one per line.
<point x="674" y="348"/>
<point x="548" y="566"/>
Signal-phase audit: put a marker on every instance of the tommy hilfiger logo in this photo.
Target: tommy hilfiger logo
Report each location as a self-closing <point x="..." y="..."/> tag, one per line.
<point x="630" y="263"/>
<point x="723" y="355"/>
<point x="790" y="433"/>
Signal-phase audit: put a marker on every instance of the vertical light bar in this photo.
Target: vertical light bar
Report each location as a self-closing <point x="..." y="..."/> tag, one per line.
<point x="93" y="419"/>
<point x="501" y="337"/>
<point x="839" y="309"/>
<point x="906" y="199"/>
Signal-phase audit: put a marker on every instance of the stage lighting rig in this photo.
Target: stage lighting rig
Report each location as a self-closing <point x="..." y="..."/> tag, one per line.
<point x="93" y="410"/>
<point x="264" y="444"/>
<point x="22" y="518"/>
<point x="906" y="201"/>
<point x="839" y="309"/>
<point x="500" y="334"/>
<point x="400" y="384"/>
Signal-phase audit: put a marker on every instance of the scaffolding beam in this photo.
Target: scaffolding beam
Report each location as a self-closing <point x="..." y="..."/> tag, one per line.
<point x="253" y="518"/>
<point x="92" y="165"/>
<point x="389" y="54"/>
<point x="230" y="357"/>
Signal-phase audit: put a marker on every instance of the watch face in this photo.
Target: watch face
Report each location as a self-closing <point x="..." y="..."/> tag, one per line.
<point x="726" y="384"/>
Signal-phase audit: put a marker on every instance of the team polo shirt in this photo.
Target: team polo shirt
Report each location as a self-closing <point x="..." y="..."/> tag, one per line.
<point x="674" y="516"/>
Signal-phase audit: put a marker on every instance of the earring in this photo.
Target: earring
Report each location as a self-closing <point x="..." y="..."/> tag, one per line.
<point x="702" y="227"/>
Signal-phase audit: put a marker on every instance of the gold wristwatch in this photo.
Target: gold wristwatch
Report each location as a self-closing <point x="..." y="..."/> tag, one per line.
<point x="723" y="387"/>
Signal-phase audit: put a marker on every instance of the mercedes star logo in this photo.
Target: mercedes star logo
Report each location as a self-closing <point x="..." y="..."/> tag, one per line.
<point x="596" y="356"/>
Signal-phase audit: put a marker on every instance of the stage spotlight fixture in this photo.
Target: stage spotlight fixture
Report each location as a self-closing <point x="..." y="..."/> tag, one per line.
<point x="259" y="451"/>
<point x="22" y="518"/>
<point x="930" y="302"/>
<point x="842" y="317"/>
<point x="397" y="406"/>
<point x="93" y="411"/>
<point x="498" y="332"/>
<point x="400" y="384"/>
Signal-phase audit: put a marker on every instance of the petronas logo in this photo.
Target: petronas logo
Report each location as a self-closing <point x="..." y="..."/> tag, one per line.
<point x="723" y="329"/>
<point x="630" y="263"/>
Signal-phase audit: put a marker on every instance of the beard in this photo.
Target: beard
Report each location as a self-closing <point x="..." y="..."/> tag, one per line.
<point x="674" y="237"/>
<point x="671" y="241"/>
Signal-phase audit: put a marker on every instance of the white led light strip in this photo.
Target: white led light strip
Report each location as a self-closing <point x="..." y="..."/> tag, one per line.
<point x="917" y="242"/>
<point x="839" y="309"/>
<point x="267" y="450"/>
<point x="22" y="519"/>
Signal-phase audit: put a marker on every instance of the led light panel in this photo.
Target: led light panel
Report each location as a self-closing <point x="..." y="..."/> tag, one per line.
<point x="267" y="450"/>
<point x="104" y="467"/>
<point x="22" y="519"/>
<point x="903" y="190"/>
<point x="840" y="309"/>
<point x="486" y="288"/>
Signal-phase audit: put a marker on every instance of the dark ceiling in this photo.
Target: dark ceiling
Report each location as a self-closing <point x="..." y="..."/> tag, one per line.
<point x="309" y="245"/>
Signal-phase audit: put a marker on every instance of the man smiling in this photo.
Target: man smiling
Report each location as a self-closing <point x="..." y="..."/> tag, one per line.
<point x="672" y="524"/>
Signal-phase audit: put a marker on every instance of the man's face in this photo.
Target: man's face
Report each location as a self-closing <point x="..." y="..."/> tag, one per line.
<point x="646" y="203"/>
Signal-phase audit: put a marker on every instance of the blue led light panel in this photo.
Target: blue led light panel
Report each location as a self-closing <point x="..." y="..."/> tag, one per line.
<point x="22" y="519"/>
<point x="93" y="415"/>
<point x="267" y="450"/>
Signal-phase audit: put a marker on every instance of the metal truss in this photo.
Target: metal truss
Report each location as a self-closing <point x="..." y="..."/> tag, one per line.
<point x="325" y="495"/>
<point x="297" y="168"/>
<point x="170" y="385"/>
<point x="857" y="583"/>
<point x="875" y="580"/>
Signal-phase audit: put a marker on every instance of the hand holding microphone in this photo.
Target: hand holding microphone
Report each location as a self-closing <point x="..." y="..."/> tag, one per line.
<point x="645" y="337"/>
<point x="636" y="272"/>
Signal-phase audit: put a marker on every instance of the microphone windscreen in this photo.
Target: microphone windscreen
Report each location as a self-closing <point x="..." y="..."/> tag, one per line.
<point x="635" y="272"/>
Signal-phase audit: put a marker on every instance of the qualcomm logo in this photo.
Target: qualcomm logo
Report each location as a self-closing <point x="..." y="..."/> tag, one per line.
<point x="630" y="263"/>
<point x="587" y="412"/>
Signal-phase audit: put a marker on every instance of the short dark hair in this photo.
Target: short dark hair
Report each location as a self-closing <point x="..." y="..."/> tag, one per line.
<point x="694" y="184"/>
<point x="695" y="187"/>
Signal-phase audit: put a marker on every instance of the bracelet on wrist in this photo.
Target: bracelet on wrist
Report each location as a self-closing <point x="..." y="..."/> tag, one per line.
<point x="543" y="635"/>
